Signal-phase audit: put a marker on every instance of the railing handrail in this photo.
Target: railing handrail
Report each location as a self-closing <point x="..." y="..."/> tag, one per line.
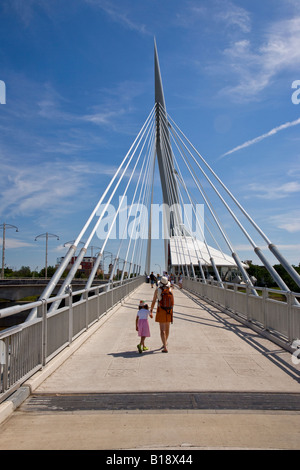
<point x="28" y="346"/>
<point x="242" y="286"/>
<point x="278" y="318"/>
<point x="9" y="311"/>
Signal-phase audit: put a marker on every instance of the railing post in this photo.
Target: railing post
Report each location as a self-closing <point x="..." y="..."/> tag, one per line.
<point x="235" y="297"/>
<point x="86" y="296"/>
<point x="70" y="302"/>
<point x="264" y="301"/>
<point x="225" y="294"/>
<point x="247" y="302"/>
<point x="290" y="302"/>
<point x="98" y="302"/>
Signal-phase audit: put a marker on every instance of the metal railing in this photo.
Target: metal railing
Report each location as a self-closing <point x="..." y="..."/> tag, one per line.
<point x="28" y="347"/>
<point x="280" y="318"/>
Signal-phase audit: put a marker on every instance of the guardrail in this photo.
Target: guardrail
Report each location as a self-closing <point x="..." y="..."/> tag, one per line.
<point x="280" y="318"/>
<point x="28" y="347"/>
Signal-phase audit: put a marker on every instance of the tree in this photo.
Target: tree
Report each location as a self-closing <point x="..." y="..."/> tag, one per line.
<point x="25" y="271"/>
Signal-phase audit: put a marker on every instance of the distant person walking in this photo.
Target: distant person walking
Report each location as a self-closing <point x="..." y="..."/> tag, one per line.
<point x="152" y="279"/>
<point x="164" y="312"/>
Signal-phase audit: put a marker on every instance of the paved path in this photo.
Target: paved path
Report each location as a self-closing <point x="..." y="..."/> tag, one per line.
<point x="234" y="389"/>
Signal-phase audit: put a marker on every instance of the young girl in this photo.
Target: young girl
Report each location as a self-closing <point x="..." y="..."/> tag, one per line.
<point x="142" y="325"/>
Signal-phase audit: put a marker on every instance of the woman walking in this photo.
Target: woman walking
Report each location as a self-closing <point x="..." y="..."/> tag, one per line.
<point x="164" y="312"/>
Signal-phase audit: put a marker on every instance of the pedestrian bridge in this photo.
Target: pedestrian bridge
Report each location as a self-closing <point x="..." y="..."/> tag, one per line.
<point x="71" y="376"/>
<point x="220" y="377"/>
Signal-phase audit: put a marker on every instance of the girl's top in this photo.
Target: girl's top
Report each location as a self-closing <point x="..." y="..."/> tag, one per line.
<point x="143" y="314"/>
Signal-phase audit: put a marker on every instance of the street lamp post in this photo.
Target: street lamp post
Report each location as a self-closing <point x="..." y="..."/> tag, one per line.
<point x="159" y="268"/>
<point x="47" y="236"/>
<point x="4" y="227"/>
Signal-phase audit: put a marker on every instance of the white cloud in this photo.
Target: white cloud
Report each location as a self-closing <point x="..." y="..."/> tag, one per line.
<point x="233" y="16"/>
<point x="117" y="14"/>
<point x="52" y="186"/>
<point x="288" y="221"/>
<point x="221" y="12"/>
<point x="14" y="243"/>
<point x="104" y="117"/>
<point x="274" y="191"/>
<point x="263" y="136"/>
<point x="255" y="66"/>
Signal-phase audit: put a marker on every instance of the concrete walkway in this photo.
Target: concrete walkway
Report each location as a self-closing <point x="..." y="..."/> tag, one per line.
<point x="208" y="352"/>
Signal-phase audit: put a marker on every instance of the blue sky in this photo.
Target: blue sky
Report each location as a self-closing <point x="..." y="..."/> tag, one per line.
<point x="80" y="83"/>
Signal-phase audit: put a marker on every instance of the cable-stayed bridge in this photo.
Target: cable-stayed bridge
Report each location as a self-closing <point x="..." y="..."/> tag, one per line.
<point x="195" y="207"/>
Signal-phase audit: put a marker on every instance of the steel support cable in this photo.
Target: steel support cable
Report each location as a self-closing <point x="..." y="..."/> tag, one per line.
<point x="144" y="199"/>
<point x="71" y="251"/>
<point x="148" y="195"/>
<point x="126" y="227"/>
<point x="128" y="216"/>
<point x="137" y="139"/>
<point x="246" y="278"/>
<point x="197" y="221"/>
<point x="75" y="266"/>
<point x="140" y="201"/>
<point x="166" y="197"/>
<point x="173" y="193"/>
<point x="149" y="241"/>
<point x="144" y="174"/>
<point x="234" y="255"/>
<point x="95" y="267"/>
<point x="193" y="239"/>
<point x="144" y="186"/>
<point x="149" y="200"/>
<point x="166" y="160"/>
<point x="176" y="190"/>
<point x="191" y="264"/>
<point x="257" y="250"/>
<point x="272" y="247"/>
<point x="207" y="247"/>
<point x="111" y="227"/>
<point x="193" y="203"/>
<point x="178" y="230"/>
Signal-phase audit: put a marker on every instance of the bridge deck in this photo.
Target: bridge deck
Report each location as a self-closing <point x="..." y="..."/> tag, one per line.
<point x="218" y="378"/>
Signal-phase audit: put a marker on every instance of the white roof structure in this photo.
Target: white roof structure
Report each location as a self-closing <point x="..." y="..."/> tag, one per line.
<point x="187" y="250"/>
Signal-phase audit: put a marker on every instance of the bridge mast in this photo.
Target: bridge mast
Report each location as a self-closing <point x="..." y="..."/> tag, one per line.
<point x="171" y="208"/>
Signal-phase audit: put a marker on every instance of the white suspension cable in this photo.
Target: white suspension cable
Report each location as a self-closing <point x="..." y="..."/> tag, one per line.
<point x="77" y="262"/>
<point x="142" y="198"/>
<point x="142" y="172"/>
<point x="257" y="250"/>
<point x="116" y="214"/>
<point x="292" y="272"/>
<point x="173" y="193"/>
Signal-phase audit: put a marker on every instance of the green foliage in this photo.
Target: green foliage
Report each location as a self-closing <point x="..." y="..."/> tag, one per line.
<point x="25" y="272"/>
<point x="264" y="278"/>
